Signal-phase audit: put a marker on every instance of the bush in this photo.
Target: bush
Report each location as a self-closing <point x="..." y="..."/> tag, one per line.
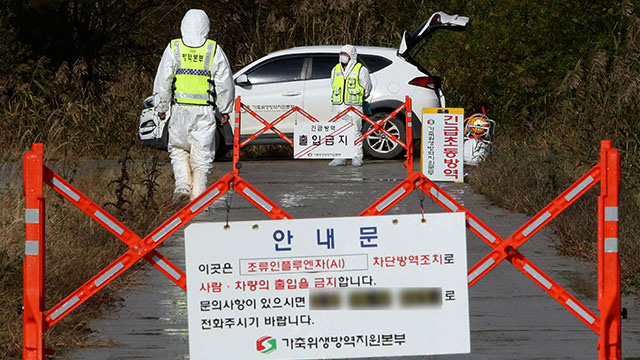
<point x="595" y="101"/>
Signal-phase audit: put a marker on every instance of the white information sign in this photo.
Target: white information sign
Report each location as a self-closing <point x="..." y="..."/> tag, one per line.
<point x="328" y="288"/>
<point x="442" y="144"/>
<point x="324" y="140"/>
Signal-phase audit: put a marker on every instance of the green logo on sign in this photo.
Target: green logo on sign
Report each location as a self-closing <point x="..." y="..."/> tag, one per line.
<point x="266" y="345"/>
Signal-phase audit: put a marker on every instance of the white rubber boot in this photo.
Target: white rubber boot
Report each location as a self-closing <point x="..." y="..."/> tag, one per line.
<point x="200" y="180"/>
<point x="181" y="195"/>
<point x="181" y="173"/>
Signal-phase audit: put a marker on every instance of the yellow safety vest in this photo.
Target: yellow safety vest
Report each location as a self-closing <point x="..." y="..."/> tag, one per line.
<point x="192" y="82"/>
<point x="349" y="90"/>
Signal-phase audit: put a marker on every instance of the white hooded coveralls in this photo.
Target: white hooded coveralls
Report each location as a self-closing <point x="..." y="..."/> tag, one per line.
<point x="192" y="128"/>
<point x="365" y="82"/>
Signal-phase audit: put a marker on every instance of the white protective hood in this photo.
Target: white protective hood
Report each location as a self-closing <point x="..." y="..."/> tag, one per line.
<point x="195" y="28"/>
<point x="353" y="55"/>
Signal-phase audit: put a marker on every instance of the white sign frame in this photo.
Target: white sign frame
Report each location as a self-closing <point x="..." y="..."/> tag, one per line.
<point x="377" y="262"/>
<point x="442" y="150"/>
<point x="324" y="140"/>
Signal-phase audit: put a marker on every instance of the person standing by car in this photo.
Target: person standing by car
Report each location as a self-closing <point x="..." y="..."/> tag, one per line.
<point x="350" y="86"/>
<point x="195" y="75"/>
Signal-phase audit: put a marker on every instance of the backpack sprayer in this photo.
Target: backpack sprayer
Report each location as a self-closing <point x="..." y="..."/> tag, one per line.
<point x="479" y="132"/>
<point x="153" y="131"/>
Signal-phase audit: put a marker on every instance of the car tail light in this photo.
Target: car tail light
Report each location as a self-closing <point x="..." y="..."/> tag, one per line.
<point x="423" y="81"/>
<point x="435" y="20"/>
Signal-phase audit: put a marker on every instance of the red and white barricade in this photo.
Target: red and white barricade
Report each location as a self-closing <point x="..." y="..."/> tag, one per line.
<point x="37" y="319"/>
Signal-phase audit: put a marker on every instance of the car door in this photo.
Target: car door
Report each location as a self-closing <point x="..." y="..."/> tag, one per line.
<point x="273" y="87"/>
<point x="317" y="91"/>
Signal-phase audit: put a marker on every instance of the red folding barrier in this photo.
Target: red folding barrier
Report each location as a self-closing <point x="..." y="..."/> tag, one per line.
<point x="375" y="126"/>
<point x="37" y="319"/>
<point x="607" y="172"/>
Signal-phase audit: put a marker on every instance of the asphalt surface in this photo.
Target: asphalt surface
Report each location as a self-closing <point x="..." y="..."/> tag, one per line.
<point x="511" y="317"/>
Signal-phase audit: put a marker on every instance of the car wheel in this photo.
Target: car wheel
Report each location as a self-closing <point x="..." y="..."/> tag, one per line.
<point x="378" y="145"/>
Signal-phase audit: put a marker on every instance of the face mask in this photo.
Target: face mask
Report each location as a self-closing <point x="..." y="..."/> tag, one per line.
<point x="344" y="59"/>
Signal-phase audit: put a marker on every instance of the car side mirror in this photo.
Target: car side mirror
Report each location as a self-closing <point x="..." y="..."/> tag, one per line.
<point x="243" y="80"/>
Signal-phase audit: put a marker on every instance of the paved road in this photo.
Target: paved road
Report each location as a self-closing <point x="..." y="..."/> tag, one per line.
<point x="511" y="318"/>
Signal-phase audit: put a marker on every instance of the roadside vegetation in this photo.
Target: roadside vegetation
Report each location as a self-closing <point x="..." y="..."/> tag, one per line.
<point x="76" y="246"/>
<point x="557" y="76"/>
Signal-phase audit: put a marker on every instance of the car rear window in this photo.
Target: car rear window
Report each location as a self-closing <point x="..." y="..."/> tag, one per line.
<point x="278" y="70"/>
<point x="374" y="62"/>
<point x="321" y="66"/>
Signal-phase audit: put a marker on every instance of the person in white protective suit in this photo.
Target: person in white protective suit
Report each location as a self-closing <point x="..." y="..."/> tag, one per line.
<point x="194" y="75"/>
<point x="350" y="86"/>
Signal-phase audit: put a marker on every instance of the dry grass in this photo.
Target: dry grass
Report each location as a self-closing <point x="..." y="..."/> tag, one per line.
<point x="73" y="118"/>
<point x="76" y="248"/>
<point x="280" y="24"/>
<point x="525" y="179"/>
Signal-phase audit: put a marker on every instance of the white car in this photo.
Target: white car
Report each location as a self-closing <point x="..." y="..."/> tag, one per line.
<point x="300" y="76"/>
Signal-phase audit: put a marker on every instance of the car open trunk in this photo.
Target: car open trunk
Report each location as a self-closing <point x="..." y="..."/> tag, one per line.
<point x="412" y="43"/>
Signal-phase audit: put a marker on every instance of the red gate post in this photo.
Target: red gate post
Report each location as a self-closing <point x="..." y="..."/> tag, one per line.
<point x="33" y="270"/>
<point x="236" y="136"/>
<point x="409" y="135"/>
<point x="609" y="344"/>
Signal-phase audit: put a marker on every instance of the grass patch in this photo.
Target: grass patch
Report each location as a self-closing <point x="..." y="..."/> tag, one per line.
<point x="77" y="247"/>
<point x="525" y="178"/>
